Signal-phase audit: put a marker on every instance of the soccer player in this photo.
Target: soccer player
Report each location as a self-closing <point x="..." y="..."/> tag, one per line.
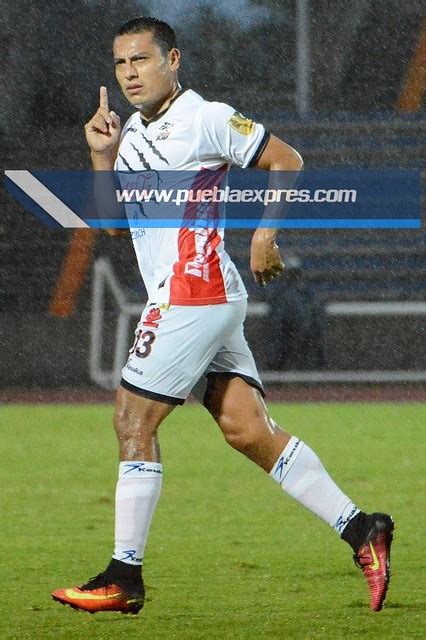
<point x="190" y="336"/>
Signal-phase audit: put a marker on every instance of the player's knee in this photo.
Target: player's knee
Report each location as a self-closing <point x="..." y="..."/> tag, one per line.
<point x="129" y="424"/>
<point x="242" y="437"/>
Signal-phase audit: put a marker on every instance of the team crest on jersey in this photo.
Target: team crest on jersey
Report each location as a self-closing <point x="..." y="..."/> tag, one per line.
<point x="165" y="131"/>
<point x="152" y="318"/>
<point x="240" y="124"/>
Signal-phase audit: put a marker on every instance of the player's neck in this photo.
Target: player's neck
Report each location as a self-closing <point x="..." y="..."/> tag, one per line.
<point x="148" y="113"/>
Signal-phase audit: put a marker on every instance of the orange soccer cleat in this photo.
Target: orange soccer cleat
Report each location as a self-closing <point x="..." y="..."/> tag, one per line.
<point x="373" y="557"/>
<point x="102" y="594"/>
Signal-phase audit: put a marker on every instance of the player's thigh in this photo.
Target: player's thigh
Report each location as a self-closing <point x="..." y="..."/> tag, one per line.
<point x="136" y="416"/>
<point x="234" y="394"/>
<point x="238" y="408"/>
<point x="233" y="357"/>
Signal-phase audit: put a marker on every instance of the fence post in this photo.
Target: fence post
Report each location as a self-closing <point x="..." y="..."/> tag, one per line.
<point x="303" y="58"/>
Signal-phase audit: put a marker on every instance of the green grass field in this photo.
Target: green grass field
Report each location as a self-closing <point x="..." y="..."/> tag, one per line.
<point x="229" y="555"/>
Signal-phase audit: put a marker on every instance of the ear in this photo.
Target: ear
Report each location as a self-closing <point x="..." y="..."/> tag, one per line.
<point x="174" y="59"/>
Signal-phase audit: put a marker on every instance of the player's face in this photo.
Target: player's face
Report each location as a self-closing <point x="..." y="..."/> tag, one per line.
<point x="146" y="76"/>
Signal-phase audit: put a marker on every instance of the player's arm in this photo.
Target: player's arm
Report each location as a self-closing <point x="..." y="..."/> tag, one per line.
<point x="236" y="139"/>
<point x="265" y="259"/>
<point x="103" y="137"/>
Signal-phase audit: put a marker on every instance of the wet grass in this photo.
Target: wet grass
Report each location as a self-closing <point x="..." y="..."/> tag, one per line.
<point x="229" y="556"/>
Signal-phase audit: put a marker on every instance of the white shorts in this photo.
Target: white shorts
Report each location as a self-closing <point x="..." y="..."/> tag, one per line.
<point x="177" y="347"/>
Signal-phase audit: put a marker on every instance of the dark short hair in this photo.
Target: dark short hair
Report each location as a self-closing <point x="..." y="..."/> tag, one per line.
<point x="162" y="33"/>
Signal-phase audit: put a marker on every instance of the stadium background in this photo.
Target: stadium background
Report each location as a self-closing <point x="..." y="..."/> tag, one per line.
<point x="355" y="101"/>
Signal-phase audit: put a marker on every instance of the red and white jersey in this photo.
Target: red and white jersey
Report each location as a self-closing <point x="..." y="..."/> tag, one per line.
<point x="188" y="266"/>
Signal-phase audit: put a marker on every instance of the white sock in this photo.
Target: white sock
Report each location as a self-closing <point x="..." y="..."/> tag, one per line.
<point x="300" y="473"/>
<point x="136" y="496"/>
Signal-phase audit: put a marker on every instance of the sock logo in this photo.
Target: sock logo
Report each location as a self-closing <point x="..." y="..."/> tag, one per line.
<point x="130" y="554"/>
<point x="140" y="467"/>
<point x="283" y="462"/>
<point x="342" y="522"/>
<point x="136" y="466"/>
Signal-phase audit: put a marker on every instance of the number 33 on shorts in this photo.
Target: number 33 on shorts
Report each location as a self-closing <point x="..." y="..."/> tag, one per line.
<point x="144" y="337"/>
<point x="143" y="344"/>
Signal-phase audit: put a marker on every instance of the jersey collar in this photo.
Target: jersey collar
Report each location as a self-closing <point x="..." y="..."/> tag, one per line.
<point x="161" y="114"/>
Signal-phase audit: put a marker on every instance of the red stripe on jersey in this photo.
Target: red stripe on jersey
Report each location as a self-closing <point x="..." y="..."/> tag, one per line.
<point x="197" y="277"/>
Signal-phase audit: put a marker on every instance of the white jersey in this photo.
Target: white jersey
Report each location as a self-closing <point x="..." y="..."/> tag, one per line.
<point x="187" y="266"/>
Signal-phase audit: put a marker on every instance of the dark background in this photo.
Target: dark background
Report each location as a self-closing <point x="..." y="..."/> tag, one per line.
<point x="55" y="55"/>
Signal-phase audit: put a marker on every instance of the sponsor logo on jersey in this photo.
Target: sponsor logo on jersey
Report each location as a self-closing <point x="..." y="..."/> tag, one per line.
<point x="137" y="233"/>
<point x="241" y="124"/>
<point x="152" y="318"/>
<point x="165" y="131"/>
<point x="199" y="266"/>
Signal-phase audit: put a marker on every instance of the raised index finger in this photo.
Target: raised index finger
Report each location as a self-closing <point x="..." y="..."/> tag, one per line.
<point x="103" y="98"/>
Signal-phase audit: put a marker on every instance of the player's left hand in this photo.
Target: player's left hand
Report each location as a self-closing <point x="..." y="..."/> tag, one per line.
<point x="265" y="261"/>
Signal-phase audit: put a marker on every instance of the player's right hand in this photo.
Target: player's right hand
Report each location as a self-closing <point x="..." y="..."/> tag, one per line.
<point x="103" y="130"/>
<point x="265" y="259"/>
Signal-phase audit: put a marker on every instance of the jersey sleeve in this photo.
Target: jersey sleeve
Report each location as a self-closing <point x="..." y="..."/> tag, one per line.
<point x="227" y="134"/>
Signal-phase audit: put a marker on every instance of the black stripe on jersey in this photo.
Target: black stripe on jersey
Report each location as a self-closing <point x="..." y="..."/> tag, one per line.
<point x="260" y="149"/>
<point x="126" y="163"/>
<point x="141" y="157"/>
<point x="154" y="149"/>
